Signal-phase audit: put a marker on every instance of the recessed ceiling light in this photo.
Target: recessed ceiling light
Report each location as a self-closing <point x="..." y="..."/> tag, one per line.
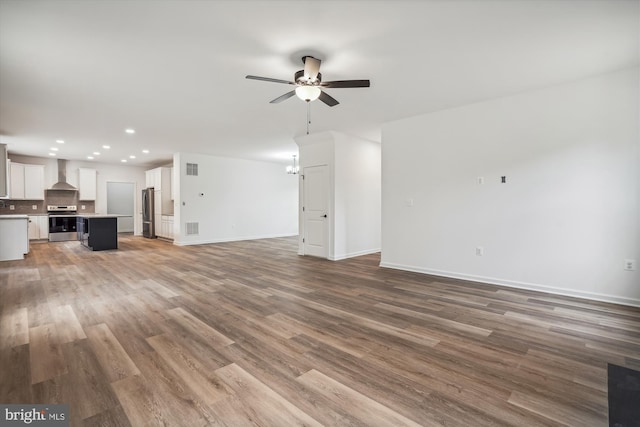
<point x="124" y="160"/>
<point x="132" y="157"/>
<point x="106" y="147"/>
<point x="96" y="153"/>
<point x="90" y="157"/>
<point x="59" y="141"/>
<point x="130" y="131"/>
<point x="52" y="154"/>
<point x="53" y="148"/>
<point x="145" y="151"/>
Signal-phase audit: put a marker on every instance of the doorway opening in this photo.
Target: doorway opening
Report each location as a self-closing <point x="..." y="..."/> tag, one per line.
<point x="121" y="201"/>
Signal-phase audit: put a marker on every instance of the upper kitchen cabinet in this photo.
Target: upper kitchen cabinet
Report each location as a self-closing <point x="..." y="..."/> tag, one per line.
<point x="27" y="181"/>
<point x="87" y="179"/>
<point x="152" y="178"/>
<point x="4" y="172"/>
<point x="159" y="179"/>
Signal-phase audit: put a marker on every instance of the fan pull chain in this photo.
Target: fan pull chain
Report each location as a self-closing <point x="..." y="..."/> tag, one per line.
<point x="308" y="116"/>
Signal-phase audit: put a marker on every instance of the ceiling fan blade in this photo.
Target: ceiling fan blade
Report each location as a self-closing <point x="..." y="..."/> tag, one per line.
<point x="346" y="83"/>
<point x="327" y="99"/>
<point x="311" y="67"/>
<point x="283" y="97"/>
<point x="269" y="79"/>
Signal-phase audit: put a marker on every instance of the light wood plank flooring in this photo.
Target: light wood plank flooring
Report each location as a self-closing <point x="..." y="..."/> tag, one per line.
<point x="249" y="333"/>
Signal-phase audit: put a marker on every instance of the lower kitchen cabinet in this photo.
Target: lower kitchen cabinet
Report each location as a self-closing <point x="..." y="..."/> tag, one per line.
<point x="38" y="227"/>
<point x="14" y="243"/>
<point x="98" y="233"/>
<point x="165" y="228"/>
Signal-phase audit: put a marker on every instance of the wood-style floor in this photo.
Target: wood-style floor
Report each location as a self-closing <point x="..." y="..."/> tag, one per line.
<point x="250" y="333"/>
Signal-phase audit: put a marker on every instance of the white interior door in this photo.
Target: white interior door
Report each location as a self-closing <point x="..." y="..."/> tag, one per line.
<point x="315" y="211"/>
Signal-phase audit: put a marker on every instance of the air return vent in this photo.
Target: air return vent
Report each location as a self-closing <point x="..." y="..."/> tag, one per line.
<point x="192" y="169"/>
<point x="192" y="228"/>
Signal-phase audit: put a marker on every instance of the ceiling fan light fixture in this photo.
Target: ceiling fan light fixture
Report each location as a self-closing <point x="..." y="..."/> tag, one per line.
<point x="308" y="93"/>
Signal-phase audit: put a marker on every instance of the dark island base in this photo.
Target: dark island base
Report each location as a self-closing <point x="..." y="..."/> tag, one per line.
<point x="98" y="233"/>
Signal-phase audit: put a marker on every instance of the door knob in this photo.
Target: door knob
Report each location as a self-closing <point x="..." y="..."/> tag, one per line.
<point x="324" y="216"/>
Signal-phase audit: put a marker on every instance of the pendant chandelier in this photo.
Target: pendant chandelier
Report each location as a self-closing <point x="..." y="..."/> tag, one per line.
<point x="293" y="169"/>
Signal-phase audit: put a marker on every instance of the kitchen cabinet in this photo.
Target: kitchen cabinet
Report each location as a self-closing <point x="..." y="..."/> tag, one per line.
<point x="34" y="182"/>
<point x="166" y="227"/>
<point x="38" y="227"/>
<point x="157" y="212"/>
<point x="160" y="179"/>
<point x="4" y="172"/>
<point x="87" y="184"/>
<point x="16" y="180"/>
<point x="15" y="237"/>
<point x="98" y="232"/>
<point x="27" y="181"/>
<point x="152" y="178"/>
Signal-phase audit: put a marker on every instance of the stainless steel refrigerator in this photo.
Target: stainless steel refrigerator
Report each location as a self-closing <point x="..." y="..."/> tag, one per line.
<point x="148" y="226"/>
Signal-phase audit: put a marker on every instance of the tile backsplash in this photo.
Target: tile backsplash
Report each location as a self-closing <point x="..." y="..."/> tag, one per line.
<point x="54" y="197"/>
<point x="22" y="207"/>
<point x="61" y="197"/>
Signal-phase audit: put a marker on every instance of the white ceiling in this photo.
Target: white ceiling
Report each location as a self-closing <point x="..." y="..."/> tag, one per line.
<point x="83" y="71"/>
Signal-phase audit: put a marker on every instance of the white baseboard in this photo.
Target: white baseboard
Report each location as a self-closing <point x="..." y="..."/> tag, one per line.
<point x="519" y="285"/>
<point x="230" y="239"/>
<point x="353" y="254"/>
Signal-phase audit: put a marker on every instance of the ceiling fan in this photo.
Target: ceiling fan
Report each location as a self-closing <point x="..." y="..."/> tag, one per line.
<point x="309" y="83"/>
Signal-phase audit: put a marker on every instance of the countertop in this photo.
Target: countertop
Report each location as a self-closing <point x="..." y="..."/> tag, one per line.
<point x="87" y="215"/>
<point x="96" y="215"/>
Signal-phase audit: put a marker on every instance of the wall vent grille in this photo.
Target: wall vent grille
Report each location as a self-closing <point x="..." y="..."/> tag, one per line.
<point x="192" y="169"/>
<point x="192" y="228"/>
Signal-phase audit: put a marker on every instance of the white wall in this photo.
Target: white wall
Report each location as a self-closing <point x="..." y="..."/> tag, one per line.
<point x="357" y="204"/>
<point x="233" y="199"/>
<point x="354" y="168"/>
<point x="569" y="214"/>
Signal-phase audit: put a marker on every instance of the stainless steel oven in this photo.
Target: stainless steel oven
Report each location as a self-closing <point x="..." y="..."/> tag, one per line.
<point x="62" y="223"/>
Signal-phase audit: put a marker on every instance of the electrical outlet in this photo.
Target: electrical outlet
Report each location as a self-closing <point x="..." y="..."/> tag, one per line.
<point x="12" y="207"/>
<point x="630" y="264"/>
<point x="83" y="207"/>
<point x="479" y="251"/>
<point x="34" y="207"/>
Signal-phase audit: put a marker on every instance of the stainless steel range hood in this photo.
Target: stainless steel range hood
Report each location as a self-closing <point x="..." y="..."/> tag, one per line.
<point x="62" y="183"/>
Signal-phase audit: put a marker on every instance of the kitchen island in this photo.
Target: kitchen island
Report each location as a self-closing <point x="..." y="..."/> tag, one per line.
<point x="14" y="237"/>
<point x="98" y="232"/>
